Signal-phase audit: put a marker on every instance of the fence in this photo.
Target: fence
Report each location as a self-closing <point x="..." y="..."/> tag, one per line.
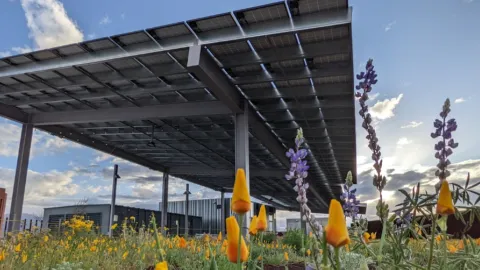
<point x="25" y="225"/>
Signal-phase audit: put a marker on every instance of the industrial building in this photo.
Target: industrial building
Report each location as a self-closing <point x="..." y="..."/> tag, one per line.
<point x="201" y="98"/>
<point x="100" y="214"/>
<point x="210" y="210"/>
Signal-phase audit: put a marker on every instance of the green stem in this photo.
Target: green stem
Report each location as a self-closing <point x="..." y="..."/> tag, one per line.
<point x="432" y="240"/>
<point x="383" y="238"/>
<point x="337" y="258"/>
<point x="325" y="249"/>
<point x="240" y="222"/>
<point x="157" y="239"/>
<point x="261" y="249"/>
<point x="444" y="240"/>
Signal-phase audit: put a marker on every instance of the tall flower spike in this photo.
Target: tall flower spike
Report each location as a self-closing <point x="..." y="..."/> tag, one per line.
<point x="367" y="79"/>
<point x="299" y="171"/>
<point x="336" y="229"/>
<point x="233" y="238"/>
<point x="444" y="148"/>
<point x="262" y="219"/>
<point x="241" y="203"/>
<point x="445" y="203"/>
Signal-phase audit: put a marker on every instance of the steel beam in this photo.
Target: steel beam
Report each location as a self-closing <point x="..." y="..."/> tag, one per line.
<point x="187" y="206"/>
<point x="130" y="113"/>
<point x="13" y="113"/>
<point x="222" y="213"/>
<point x="20" y="178"/>
<point x="307" y="22"/>
<point x="202" y="171"/>
<point x="164" y="210"/>
<point x="206" y="69"/>
<point x="325" y="90"/>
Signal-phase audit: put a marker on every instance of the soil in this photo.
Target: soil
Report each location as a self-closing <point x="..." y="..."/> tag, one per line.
<point x="291" y="266"/>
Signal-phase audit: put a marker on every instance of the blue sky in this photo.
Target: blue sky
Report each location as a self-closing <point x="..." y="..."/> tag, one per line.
<point x="424" y="51"/>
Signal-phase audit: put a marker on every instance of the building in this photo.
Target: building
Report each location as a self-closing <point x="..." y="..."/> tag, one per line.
<point x="100" y="214"/>
<point x="210" y="211"/>
<point x="295" y="223"/>
<point x="3" y="202"/>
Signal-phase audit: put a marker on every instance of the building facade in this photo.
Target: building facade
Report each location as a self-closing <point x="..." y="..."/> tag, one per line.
<point x="210" y="210"/>
<point x="100" y="214"/>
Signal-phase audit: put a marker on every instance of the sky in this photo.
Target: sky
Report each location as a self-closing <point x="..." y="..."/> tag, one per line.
<point x="424" y="52"/>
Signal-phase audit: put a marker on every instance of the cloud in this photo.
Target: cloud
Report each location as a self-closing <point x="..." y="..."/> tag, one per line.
<point x="105" y="20"/>
<point x="384" y="109"/>
<point x="459" y="100"/>
<point x="22" y="50"/>
<point x="361" y="160"/>
<point x="91" y="36"/>
<point x="399" y="178"/>
<point x="49" y="24"/>
<point x="5" y="54"/>
<point x="390" y="25"/>
<point x="102" y="157"/>
<point x="412" y="124"/>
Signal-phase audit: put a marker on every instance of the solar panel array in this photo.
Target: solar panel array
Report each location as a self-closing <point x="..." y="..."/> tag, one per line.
<point x="291" y="77"/>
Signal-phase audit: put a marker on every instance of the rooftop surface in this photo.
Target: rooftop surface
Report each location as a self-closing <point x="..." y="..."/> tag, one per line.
<point x="165" y="97"/>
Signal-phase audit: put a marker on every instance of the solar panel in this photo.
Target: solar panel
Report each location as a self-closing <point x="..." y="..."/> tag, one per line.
<point x="321" y="35"/>
<point x="213" y="23"/>
<point x="311" y="6"/>
<point x="262" y="14"/>
<point x="133" y="38"/>
<point x="229" y="48"/>
<point x="174" y="30"/>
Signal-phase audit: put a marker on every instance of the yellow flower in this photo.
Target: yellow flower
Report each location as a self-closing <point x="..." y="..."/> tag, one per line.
<point x="366" y="237"/>
<point x="18" y="248"/>
<point x="373" y="235"/>
<point x="262" y="219"/>
<point x="309" y="252"/>
<point x="93" y="248"/>
<point x="233" y="232"/>
<point x="198" y="249"/>
<point x="259" y="258"/>
<point x="241" y="203"/>
<point x="252" y="230"/>
<point x="24" y="257"/>
<point x="452" y="249"/>
<point x="310" y="234"/>
<point x="109" y="250"/>
<point x="161" y="266"/>
<point x="461" y="245"/>
<point x="336" y="229"/>
<point x="207" y="254"/>
<point x="2" y="255"/>
<point x="182" y="243"/>
<point x="285" y="256"/>
<point x="124" y="256"/>
<point x="45" y="238"/>
<point x="114" y="226"/>
<point x="219" y="237"/>
<point x="445" y="202"/>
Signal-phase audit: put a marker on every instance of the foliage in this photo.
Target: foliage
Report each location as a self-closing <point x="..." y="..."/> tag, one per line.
<point x="294" y="238"/>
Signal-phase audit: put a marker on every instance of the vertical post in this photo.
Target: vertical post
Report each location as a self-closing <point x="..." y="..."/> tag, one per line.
<point x="20" y="177"/>
<point x="222" y="213"/>
<point x="114" y="196"/>
<point x="164" y="210"/>
<point x="187" y="192"/>
<point x="274" y="222"/>
<point x="242" y="151"/>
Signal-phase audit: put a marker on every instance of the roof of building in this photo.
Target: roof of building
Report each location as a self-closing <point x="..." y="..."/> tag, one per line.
<point x="165" y="97"/>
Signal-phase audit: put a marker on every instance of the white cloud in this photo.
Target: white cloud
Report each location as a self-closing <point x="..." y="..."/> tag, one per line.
<point x="102" y="157"/>
<point x="384" y="109"/>
<point x="403" y="141"/>
<point x="459" y="100"/>
<point x="361" y="160"/>
<point x="412" y="124"/>
<point x="105" y="20"/>
<point x="91" y="36"/>
<point x="390" y="25"/>
<point x="22" y="50"/>
<point x="372" y="97"/>
<point x="5" y="54"/>
<point x="49" y="23"/>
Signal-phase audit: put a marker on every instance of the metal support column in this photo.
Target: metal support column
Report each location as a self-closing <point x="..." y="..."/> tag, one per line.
<point x="114" y="197"/>
<point x="20" y="178"/>
<point x="187" y="192"/>
<point x="164" y="210"/>
<point x="242" y="151"/>
<point x="222" y="213"/>
<point x="274" y="222"/>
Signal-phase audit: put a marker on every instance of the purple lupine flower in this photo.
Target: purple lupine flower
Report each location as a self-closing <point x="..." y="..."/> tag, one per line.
<point x="367" y="79"/>
<point x="444" y="148"/>
<point x="299" y="171"/>
<point x="350" y="202"/>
